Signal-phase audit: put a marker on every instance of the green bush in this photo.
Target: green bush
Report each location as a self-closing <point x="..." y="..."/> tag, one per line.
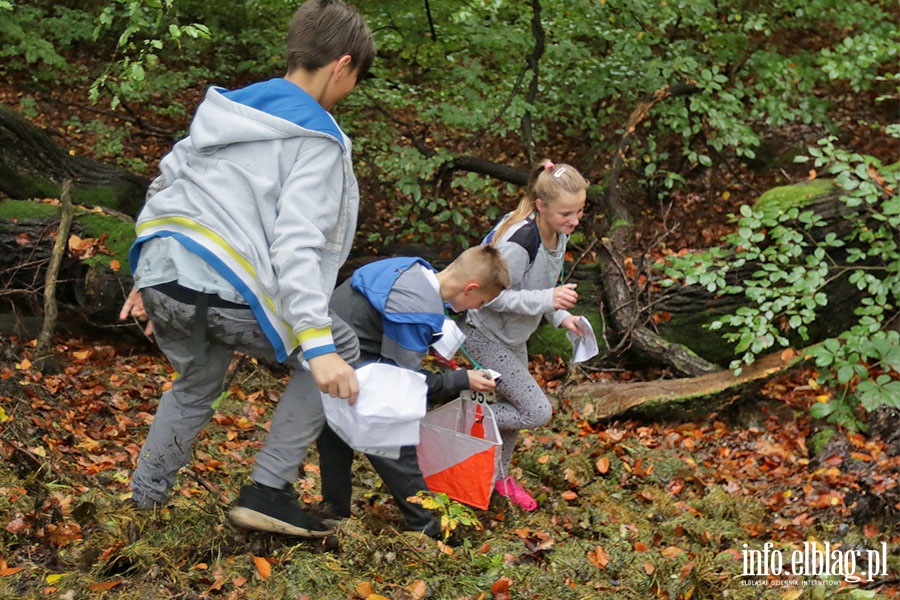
<point x="792" y="268"/>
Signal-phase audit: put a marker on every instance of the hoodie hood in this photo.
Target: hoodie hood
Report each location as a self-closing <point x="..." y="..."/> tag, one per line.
<point x="268" y="110"/>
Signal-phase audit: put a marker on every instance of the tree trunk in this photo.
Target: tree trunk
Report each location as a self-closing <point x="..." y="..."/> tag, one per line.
<point x="618" y="243"/>
<point x="33" y="165"/>
<point x="690" y="397"/>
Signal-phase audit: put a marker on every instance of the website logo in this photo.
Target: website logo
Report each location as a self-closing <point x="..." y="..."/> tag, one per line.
<point x="813" y="562"/>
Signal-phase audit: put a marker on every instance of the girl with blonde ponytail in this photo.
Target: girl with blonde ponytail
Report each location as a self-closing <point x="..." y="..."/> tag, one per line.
<point x="532" y="240"/>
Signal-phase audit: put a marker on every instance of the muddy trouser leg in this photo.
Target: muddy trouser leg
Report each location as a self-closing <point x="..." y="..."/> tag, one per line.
<point x="335" y="468"/>
<point x="521" y="403"/>
<point x="186" y="407"/>
<point x="404" y="478"/>
<point x="299" y="417"/>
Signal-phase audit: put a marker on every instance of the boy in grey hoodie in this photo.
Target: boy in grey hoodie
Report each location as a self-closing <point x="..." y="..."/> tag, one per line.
<point x="238" y="249"/>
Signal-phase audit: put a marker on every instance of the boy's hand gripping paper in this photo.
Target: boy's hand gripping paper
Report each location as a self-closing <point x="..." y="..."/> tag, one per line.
<point x="585" y="345"/>
<point x="459" y="450"/>
<point x="387" y="412"/>
<point x="451" y="339"/>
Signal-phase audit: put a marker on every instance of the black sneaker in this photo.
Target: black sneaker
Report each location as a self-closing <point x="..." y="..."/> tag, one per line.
<point x="276" y="510"/>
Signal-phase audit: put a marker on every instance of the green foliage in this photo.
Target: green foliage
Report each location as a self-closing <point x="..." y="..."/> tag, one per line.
<point x="145" y="28"/>
<point x="794" y="259"/>
<point x="35" y="36"/>
<point x="751" y="66"/>
<point x="464" y="78"/>
<point x="453" y="514"/>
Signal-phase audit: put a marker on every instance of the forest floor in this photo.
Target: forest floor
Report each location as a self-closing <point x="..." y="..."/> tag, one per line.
<point x="746" y="502"/>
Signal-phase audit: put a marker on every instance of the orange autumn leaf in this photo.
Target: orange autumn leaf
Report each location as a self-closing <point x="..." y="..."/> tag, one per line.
<point x="569" y="495"/>
<point x="9" y="570"/>
<point x="263" y="566"/>
<point x="788" y="354"/>
<point x="640" y="547"/>
<point x="417" y="589"/>
<point x="870" y="530"/>
<point x="648" y="567"/>
<point x="598" y="557"/>
<point x="602" y="465"/>
<point x="364" y="589"/>
<point x="104" y="586"/>
<point x="217" y="585"/>
<point x="544" y="459"/>
<point x="501" y="586"/>
<point x="671" y="551"/>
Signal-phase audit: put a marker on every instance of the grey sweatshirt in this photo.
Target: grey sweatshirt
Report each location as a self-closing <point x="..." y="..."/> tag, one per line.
<point x="515" y="314"/>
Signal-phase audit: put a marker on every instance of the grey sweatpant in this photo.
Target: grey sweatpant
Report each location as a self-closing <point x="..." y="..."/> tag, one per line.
<point x="186" y="408"/>
<point x="521" y="403"/>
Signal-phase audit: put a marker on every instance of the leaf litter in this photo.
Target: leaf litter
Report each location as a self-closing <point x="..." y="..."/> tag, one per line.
<point x="628" y="508"/>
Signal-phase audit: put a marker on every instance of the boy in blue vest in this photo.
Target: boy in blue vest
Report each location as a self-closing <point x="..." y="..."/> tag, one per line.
<point x="396" y="308"/>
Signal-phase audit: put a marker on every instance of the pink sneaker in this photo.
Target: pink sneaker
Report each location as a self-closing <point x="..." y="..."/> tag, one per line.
<point x="509" y="488"/>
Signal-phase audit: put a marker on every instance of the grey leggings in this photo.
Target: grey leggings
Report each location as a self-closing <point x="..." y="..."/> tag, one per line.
<point x="186" y="408"/>
<point x="521" y="403"/>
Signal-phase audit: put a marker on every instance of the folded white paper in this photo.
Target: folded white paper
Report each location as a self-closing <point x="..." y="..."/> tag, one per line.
<point x="451" y="339"/>
<point x="387" y="412"/>
<point x="584" y="346"/>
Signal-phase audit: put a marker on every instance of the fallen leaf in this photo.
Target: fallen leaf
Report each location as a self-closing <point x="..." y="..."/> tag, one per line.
<point x="103" y="586"/>
<point x="569" y="495"/>
<point x="501" y="586"/>
<point x="417" y="589"/>
<point x="602" y="465"/>
<point x="671" y="551"/>
<point x="598" y="557"/>
<point x="263" y="566"/>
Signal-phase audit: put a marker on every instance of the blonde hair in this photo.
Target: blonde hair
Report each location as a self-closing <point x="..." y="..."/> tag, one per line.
<point x="483" y="265"/>
<point x="546" y="183"/>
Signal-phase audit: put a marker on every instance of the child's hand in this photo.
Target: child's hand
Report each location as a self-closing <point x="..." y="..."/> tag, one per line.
<point x="565" y="296"/>
<point x="134" y="308"/>
<point x="334" y="376"/>
<point x="480" y="382"/>
<point x="572" y="324"/>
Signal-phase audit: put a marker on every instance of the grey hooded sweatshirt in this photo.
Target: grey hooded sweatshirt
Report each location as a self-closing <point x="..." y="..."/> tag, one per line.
<point x="263" y="191"/>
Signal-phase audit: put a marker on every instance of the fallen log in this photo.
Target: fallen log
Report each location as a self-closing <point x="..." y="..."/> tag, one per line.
<point x="33" y="165"/>
<point x="687" y="397"/>
<point x="689" y="310"/>
<point x="93" y="276"/>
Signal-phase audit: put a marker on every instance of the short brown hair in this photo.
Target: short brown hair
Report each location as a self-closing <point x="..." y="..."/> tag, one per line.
<point x="323" y="31"/>
<point x="484" y="265"/>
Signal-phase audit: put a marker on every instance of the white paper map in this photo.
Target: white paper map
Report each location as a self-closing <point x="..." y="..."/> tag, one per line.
<point x="585" y="345"/>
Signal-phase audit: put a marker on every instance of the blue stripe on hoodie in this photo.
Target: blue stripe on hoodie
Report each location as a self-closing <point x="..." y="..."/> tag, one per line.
<point x="281" y="98"/>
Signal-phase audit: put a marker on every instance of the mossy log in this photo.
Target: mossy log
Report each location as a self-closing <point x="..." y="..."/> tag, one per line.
<point x="93" y="278"/>
<point x="689" y="310"/>
<point x="34" y="165"/>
